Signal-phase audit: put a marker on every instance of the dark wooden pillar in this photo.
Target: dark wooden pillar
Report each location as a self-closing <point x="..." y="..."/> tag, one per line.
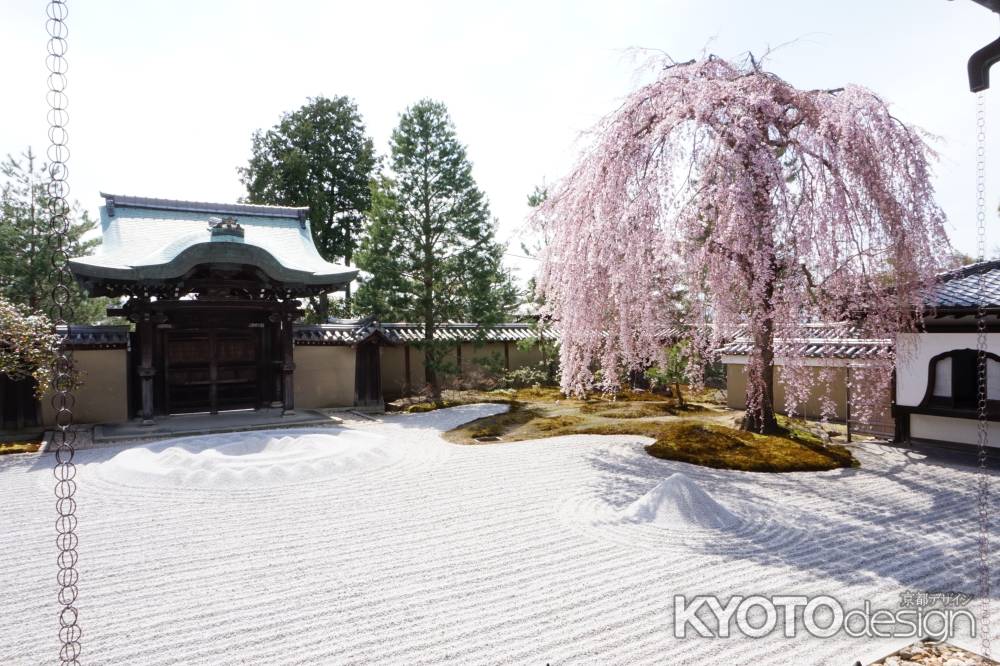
<point x="900" y="418"/>
<point x="847" y="400"/>
<point x="146" y="370"/>
<point x="213" y="372"/>
<point x="506" y="354"/>
<point x="408" y="387"/>
<point x="275" y="352"/>
<point x="288" y="364"/>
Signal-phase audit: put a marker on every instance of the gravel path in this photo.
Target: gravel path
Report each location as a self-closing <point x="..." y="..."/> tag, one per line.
<point x="423" y="552"/>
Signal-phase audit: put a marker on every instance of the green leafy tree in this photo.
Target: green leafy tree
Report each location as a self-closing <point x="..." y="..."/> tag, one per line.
<point x="430" y="254"/>
<point x="319" y="156"/>
<point x="534" y="247"/>
<point x="672" y="370"/>
<point x="541" y="339"/>
<point x="541" y="328"/>
<point x="26" y="249"/>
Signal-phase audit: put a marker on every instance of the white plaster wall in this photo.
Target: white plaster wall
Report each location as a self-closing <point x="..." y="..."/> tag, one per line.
<point x="102" y="397"/>
<point x="729" y="359"/>
<point x="913" y="354"/>
<point x="944" y="429"/>
<point x="324" y="376"/>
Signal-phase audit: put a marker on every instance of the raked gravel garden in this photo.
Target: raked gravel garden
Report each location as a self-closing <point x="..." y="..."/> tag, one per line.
<point x="379" y="542"/>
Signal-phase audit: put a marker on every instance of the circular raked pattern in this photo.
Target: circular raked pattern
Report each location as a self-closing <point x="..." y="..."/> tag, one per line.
<point x="254" y="459"/>
<point x="674" y="510"/>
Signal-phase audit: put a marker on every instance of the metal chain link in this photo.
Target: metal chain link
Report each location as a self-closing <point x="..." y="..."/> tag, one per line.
<point x="64" y="438"/>
<point x="981" y="368"/>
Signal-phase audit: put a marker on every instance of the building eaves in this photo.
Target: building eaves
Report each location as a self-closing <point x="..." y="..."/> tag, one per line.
<point x="151" y="203"/>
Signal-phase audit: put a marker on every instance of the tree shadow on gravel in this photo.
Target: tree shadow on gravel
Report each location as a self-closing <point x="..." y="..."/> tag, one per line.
<point x="909" y="519"/>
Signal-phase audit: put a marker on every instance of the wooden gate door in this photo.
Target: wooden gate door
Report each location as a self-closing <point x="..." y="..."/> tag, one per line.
<point x="211" y="370"/>
<point x="368" y="376"/>
<point x="18" y="406"/>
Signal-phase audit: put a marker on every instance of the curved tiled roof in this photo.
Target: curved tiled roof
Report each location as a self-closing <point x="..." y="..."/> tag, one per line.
<point x="150" y="240"/>
<point x="337" y="333"/>
<point x="96" y="337"/>
<point x="956" y="292"/>
<point x="827" y="340"/>
<point x="352" y="332"/>
<point x="813" y="348"/>
<point x="959" y="289"/>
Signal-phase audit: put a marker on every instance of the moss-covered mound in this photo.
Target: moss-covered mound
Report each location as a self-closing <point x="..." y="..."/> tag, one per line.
<point x="699" y="441"/>
<point x="695" y="433"/>
<point x="639" y="409"/>
<point x="19" y="447"/>
<point x="794" y="449"/>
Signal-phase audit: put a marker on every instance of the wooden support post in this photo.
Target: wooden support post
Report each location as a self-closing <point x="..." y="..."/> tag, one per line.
<point x="213" y="373"/>
<point x="288" y="365"/>
<point x="847" y="400"/>
<point x="900" y="421"/>
<point x="506" y="355"/>
<point x="408" y="386"/>
<point x="274" y="349"/>
<point x="146" y="370"/>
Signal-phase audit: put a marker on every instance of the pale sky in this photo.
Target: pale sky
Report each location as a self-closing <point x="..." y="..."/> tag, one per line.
<point x="164" y="96"/>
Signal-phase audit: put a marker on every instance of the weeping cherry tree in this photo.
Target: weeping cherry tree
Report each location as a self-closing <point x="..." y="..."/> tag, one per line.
<point x="771" y="207"/>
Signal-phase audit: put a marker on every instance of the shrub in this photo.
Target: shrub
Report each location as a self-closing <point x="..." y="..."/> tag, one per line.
<point x="492" y="365"/>
<point x="524" y="377"/>
<point x="28" y="347"/>
<point x="473" y="379"/>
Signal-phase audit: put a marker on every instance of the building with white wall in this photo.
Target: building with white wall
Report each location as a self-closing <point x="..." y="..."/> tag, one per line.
<point x="936" y="370"/>
<point x="830" y="351"/>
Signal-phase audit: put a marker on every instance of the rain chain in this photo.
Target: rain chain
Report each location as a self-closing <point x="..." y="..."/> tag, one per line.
<point x="981" y="371"/>
<point x="63" y="438"/>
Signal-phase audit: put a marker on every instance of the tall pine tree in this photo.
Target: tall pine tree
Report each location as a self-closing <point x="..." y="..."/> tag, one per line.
<point x="26" y="250"/>
<point x="430" y="252"/>
<point x="318" y="156"/>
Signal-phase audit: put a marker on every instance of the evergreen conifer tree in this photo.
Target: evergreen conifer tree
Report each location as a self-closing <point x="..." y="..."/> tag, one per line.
<point x="430" y="254"/>
<point x="26" y="250"/>
<point x="318" y="156"/>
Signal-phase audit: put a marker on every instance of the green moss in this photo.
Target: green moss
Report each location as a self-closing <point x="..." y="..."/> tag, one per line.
<point x="421" y="407"/>
<point x="499" y="424"/>
<point x="539" y="394"/>
<point x="694" y="440"/>
<point x="558" y="424"/>
<point x="637" y="410"/>
<point x="794" y="449"/>
<point x="449" y="399"/>
<point x="638" y="396"/>
<point x="19" y="447"/>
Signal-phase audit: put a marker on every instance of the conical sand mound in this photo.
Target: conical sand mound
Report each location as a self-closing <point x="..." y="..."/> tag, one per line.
<point x="677" y="501"/>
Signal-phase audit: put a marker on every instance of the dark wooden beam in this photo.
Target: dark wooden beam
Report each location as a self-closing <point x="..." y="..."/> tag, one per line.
<point x="408" y="386"/>
<point x="146" y="368"/>
<point x="288" y="364"/>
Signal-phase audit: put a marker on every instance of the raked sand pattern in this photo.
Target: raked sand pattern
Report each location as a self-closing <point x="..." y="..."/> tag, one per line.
<point x="379" y="543"/>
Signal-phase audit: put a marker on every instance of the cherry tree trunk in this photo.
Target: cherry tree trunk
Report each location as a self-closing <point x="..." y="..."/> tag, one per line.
<point x="762" y="419"/>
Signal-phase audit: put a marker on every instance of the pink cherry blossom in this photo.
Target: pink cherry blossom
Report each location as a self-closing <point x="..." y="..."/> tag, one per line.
<point x="767" y="207"/>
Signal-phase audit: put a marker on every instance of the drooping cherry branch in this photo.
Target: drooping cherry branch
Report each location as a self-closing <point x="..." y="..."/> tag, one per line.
<point x="771" y="207"/>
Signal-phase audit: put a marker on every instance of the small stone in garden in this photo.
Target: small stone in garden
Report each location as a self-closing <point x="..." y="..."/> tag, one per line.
<point x="933" y="654"/>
